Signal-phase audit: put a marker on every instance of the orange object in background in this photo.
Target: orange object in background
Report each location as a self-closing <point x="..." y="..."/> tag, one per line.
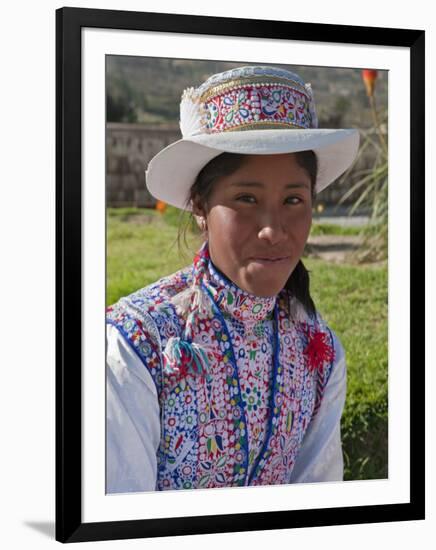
<point x="161" y="206"/>
<point x="369" y="77"/>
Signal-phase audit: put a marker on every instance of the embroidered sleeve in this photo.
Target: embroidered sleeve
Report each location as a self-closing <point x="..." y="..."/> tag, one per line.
<point x="132" y="421"/>
<point x="320" y="457"/>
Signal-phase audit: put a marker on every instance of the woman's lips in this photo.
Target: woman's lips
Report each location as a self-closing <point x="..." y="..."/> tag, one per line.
<point x="266" y="261"/>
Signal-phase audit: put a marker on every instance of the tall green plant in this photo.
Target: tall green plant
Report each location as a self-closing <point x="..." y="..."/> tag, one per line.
<point x="371" y="187"/>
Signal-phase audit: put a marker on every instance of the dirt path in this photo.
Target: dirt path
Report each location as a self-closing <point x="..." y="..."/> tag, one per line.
<point x="333" y="248"/>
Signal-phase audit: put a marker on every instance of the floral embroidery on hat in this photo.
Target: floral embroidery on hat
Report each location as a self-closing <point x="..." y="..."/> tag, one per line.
<point x="250" y="104"/>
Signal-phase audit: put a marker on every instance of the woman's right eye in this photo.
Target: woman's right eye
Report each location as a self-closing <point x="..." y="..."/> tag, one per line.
<point x="244" y="197"/>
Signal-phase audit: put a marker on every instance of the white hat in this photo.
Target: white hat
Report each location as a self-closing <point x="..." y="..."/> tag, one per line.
<point x="250" y="110"/>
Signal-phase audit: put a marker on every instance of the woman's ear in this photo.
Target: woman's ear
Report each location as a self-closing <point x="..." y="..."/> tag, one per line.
<point x="201" y="222"/>
<point x="199" y="214"/>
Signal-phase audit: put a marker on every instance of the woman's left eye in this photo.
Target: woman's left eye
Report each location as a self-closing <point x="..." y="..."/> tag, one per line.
<point x="293" y="198"/>
<point x="297" y="199"/>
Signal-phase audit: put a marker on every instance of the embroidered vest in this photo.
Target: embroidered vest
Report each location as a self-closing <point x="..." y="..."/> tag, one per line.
<point x="243" y="422"/>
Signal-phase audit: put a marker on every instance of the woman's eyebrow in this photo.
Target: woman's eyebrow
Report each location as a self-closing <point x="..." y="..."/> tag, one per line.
<point x="259" y="184"/>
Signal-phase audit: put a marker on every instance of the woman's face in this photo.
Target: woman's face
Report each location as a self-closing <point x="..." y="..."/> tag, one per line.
<point x="261" y="212"/>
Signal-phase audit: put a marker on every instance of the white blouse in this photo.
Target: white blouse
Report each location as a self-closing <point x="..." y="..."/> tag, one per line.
<point x="133" y="424"/>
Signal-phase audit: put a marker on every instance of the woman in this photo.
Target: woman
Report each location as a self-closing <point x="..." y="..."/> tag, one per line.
<point x="223" y="373"/>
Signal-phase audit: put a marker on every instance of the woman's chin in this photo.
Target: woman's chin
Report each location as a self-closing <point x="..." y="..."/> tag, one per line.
<point x="265" y="287"/>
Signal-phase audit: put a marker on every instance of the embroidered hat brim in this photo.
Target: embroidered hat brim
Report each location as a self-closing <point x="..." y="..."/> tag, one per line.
<point x="172" y="172"/>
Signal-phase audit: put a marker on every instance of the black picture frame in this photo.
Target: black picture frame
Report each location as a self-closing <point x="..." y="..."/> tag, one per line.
<point x="69" y="524"/>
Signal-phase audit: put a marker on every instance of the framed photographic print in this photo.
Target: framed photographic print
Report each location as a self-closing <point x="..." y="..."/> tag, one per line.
<point x="120" y="76"/>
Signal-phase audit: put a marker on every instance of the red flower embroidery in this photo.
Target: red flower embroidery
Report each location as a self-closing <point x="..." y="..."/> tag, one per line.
<point x="318" y="350"/>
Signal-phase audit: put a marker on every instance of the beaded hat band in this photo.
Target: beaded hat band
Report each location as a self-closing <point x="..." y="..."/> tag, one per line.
<point x="244" y="99"/>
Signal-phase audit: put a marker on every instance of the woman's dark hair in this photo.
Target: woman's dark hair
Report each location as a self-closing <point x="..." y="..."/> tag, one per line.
<point x="224" y="165"/>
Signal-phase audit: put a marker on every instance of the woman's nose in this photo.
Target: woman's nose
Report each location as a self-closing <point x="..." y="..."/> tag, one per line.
<point x="273" y="231"/>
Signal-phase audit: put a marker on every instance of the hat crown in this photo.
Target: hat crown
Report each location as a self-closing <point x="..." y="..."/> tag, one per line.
<point x="248" y="98"/>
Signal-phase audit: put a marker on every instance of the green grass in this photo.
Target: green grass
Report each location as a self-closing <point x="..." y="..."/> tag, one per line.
<point x="138" y="254"/>
<point x="319" y="228"/>
<point x="142" y="247"/>
<point x="353" y="301"/>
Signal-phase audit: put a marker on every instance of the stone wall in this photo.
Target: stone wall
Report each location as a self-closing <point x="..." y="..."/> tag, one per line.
<point x="131" y="146"/>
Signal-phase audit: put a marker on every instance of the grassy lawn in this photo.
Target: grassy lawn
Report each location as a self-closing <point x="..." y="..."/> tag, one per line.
<point x="353" y="301"/>
<point x="142" y="247"/>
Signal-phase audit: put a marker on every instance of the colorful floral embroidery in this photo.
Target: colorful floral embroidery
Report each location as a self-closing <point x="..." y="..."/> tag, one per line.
<point x="263" y="103"/>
